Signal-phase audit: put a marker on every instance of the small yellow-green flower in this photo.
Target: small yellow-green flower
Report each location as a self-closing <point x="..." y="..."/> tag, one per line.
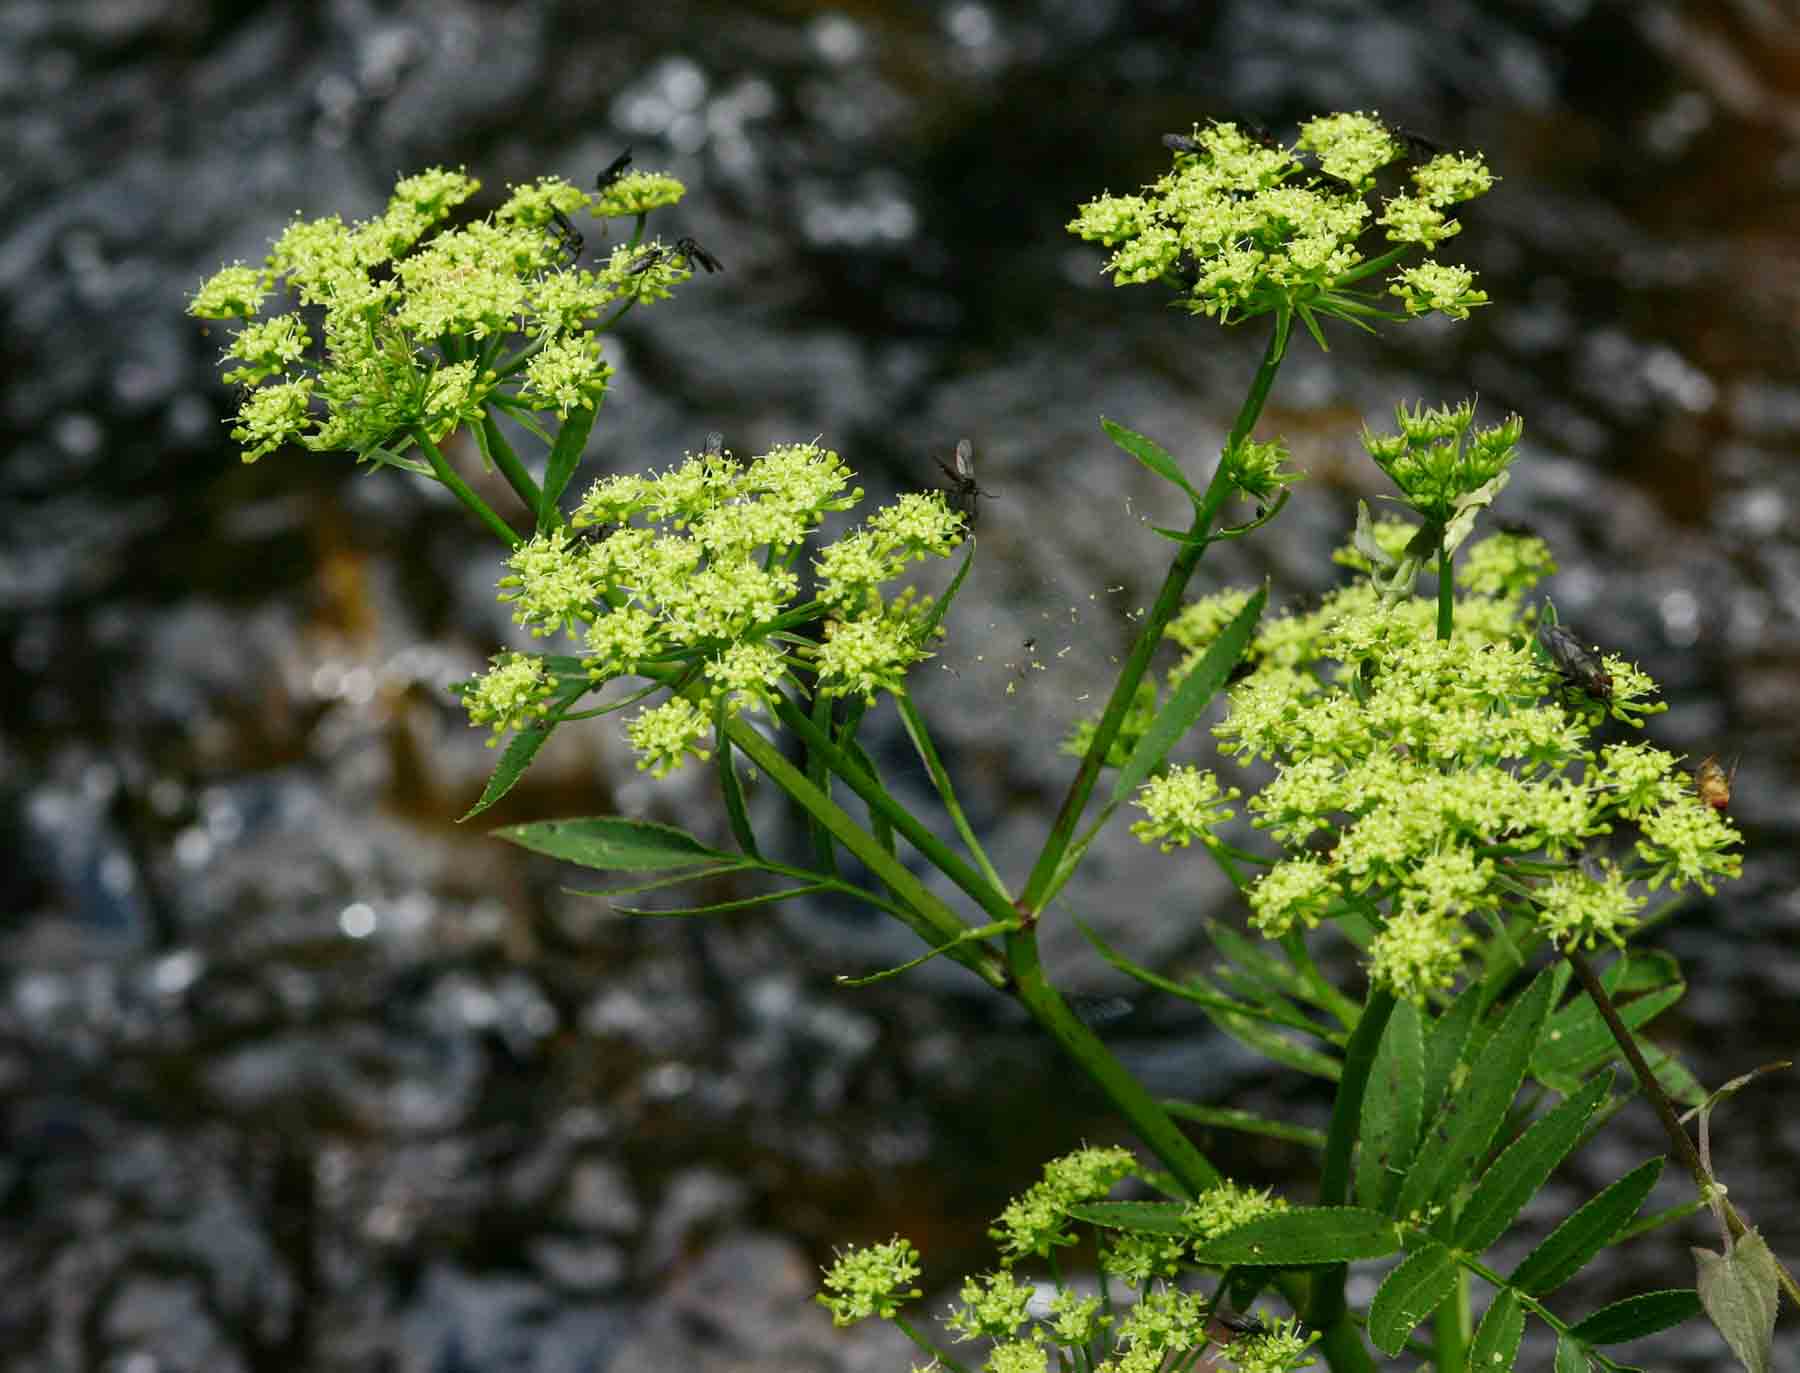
<point x="1184" y="804"/>
<point x="871" y="1281"/>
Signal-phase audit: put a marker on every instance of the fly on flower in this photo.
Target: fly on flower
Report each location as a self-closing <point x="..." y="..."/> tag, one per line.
<point x="613" y="170"/>
<point x="963" y="489"/>
<point x="691" y="249"/>
<point x="567" y="237"/>
<point x="715" y="444"/>
<point x="1713" y="783"/>
<point x="1579" y="667"/>
<point x="1418" y="147"/>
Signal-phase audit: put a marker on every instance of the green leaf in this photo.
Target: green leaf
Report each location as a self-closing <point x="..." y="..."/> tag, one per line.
<point x="1571" y="1357"/>
<point x="565" y="457"/>
<point x="1444" y="1048"/>
<point x="941" y="606"/>
<point x="1225" y="1118"/>
<point x="1740" y="1289"/>
<point x="1268" y="1042"/>
<point x="520" y="750"/>
<point x="1303" y="1235"/>
<point x="732" y="789"/>
<point x="1139" y="1217"/>
<point x="1638" y="1316"/>
<point x="1152" y="455"/>
<point x="1576" y="1045"/>
<point x="1566" y="1250"/>
<point x="1192" y="697"/>
<point x="743" y="903"/>
<point x="1390" y="1119"/>
<point x="1516" y="1175"/>
<point x="612" y="843"/>
<point x="1466" y="1124"/>
<point x="1276" y="977"/>
<point x="1497" y="1337"/>
<point x="1409" y="1294"/>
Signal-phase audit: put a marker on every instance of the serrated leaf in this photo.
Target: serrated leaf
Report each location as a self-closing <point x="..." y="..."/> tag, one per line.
<point x="941" y="606"/>
<point x="742" y="903"/>
<point x="1444" y="1046"/>
<point x="1740" y="1289"/>
<point x="1391" y="1109"/>
<point x="1646" y="970"/>
<point x="1409" y="1294"/>
<point x="1566" y="1250"/>
<point x="520" y="750"/>
<point x="565" y="457"/>
<point x="1192" y="697"/>
<point x="1525" y="1166"/>
<point x="1638" y="1316"/>
<point x="1571" y="1357"/>
<point x="1671" y="1073"/>
<point x="1152" y="455"/>
<point x="1305" y="1235"/>
<point x="1269" y="1042"/>
<point x="1578" y="1046"/>
<point x="1272" y="974"/>
<point x="1225" y="1118"/>
<point x="1497" y="1337"/>
<point x="612" y="843"/>
<point x="1139" y="1217"/>
<point x="1466" y="1123"/>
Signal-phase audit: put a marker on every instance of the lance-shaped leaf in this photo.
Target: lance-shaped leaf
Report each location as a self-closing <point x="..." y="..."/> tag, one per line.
<point x="1192" y="697"/>
<point x="613" y="843"/>
<point x="1516" y="1175"/>
<point x="1496" y="1342"/>
<point x="1390" y="1119"/>
<point x="1226" y="1118"/>
<point x="1579" y="1041"/>
<point x="1305" y="1235"/>
<point x="1409" y="1294"/>
<point x="1152" y="455"/>
<point x="1444" y="1045"/>
<point x="1466" y="1124"/>
<point x="1638" y="1316"/>
<point x="1566" y="1250"/>
<point x="565" y="457"/>
<point x="1139" y="1217"/>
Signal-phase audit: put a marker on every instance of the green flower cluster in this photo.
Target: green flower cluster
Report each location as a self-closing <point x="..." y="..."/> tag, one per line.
<point x="1242" y="226"/>
<point x="702" y="595"/>
<point x="1424" y="785"/>
<point x="1165" y="1326"/>
<point x="402" y="329"/>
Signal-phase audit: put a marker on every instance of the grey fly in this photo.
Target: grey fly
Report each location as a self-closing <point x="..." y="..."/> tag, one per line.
<point x="963" y="489"/>
<point x="1579" y="667"/>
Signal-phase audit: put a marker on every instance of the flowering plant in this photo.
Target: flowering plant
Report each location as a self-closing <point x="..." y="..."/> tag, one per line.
<point x="1455" y="787"/>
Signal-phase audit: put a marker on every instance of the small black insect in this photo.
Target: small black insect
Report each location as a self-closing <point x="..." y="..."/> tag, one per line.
<point x="1579" y="667"/>
<point x="1181" y="143"/>
<point x="568" y="237"/>
<point x="715" y="444"/>
<point x="645" y="260"/>
<point x="1418" y="147"/>
<point x="963" y="489"/>
<point x="614" y="170"/>
<point x="1238" y="1323"/>
<point x="689" y="248"/>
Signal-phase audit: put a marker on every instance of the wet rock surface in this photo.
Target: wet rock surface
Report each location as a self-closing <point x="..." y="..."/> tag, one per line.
<point x="296" y="1074"/>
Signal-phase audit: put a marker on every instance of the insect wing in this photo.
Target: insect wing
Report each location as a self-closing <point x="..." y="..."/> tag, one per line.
<point x="614" y="170"/>
<point x="965" y="460"/>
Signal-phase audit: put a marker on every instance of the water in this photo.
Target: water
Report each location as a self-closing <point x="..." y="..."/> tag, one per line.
<point x="298" y="1074"/>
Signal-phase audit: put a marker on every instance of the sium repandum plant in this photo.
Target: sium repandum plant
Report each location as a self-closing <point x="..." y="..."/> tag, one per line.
<point x="1447" y="796"/>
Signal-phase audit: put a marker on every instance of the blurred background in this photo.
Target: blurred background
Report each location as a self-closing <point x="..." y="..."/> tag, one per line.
<point x="297" y="1074"/>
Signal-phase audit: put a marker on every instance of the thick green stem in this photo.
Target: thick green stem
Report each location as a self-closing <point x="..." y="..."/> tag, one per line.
<point x="927" y="916"/>
<point x="463" y="491"/>
<point x="1446" y="595"/>
<point x="1452" y="1328"/>
<point x="1155" y="1126"/>
<point x="494" y="444"/>
<point x="1045" y="872"/>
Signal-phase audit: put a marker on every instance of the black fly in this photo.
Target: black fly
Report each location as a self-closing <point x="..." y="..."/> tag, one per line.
<point x="614" y="170"/>
<point x="1579" y="668"/>
<point x="1418" y="147"/>
<point x="691" y="250"/>
<point x="715" y="444"/>
<point x="963" y="489"/>
<point x="1181" y="143"/>
<point x="568" y="237"/>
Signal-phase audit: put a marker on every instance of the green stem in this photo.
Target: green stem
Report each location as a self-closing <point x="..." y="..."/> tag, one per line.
<point x="938" y="1356"/>
<point x="463" y="491"/>
<point x="1446" y="594"/>
<point x="1327" y="1310"/>
<point x="940" y="778"/>
<point x="1044" y="873"/>
<point x="939" y="854"/>
<point x="1155" y="1126"/>
<point x="924" y="913"/>
<point x="1452" y="1328"/>
<point x="494" y="444"/>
